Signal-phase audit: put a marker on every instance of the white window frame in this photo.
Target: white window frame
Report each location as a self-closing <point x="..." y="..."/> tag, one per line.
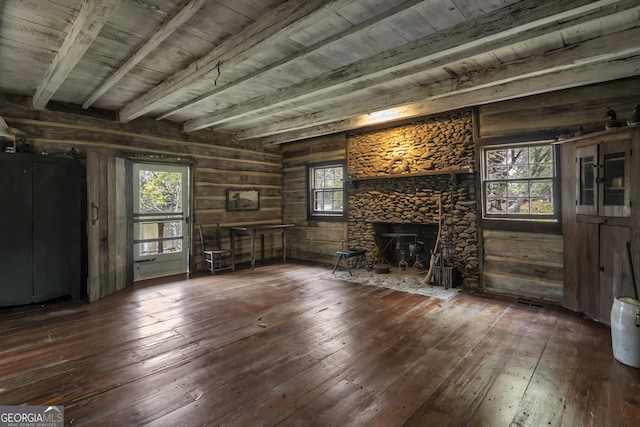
<point x="486" y="181"/>
<point x="312" y="190"/>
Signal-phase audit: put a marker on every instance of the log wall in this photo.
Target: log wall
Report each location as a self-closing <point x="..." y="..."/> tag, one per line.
<point x="217" y="161"/>
<point x="523" y="264"/>
<point x="315" y="241"/>
<point x="533" y="261"/>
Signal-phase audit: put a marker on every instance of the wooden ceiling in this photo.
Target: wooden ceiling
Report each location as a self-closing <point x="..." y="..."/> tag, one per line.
<point x="279" y="71"/>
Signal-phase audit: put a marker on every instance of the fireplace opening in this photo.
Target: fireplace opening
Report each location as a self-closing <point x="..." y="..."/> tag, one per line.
<point x="398" y="242"/>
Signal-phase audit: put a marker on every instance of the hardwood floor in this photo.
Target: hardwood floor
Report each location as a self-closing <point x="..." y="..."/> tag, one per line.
<point x="290" y="345"/>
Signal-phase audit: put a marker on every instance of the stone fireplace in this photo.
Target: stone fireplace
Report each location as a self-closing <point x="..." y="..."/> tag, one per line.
<point x="402" y="177"/>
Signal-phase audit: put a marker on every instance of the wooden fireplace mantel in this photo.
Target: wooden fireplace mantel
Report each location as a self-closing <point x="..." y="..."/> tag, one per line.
<point x="451" y="172"/>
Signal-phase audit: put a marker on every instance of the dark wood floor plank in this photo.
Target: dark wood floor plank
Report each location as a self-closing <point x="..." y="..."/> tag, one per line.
<point x="295" y="393"/>
<point x="293" y="345"/>
<point x="594" y="398"/>
<point x="331" y="337"/>
<point x="545" y="399"/>
<point x="502" y="400"/>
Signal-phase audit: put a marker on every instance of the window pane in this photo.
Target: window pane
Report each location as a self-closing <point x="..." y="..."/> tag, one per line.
<point x="519" y="171"/>
<point x="519" y="206"/>
<point x="518" y="189"/>
<point x="518" y="156"/>
<point x="337" y="201"/>
<point x="318" y="201"/>
<point x="542" y="170"/>
<point x="541" y="189"/>
<point x="497" y="205"/>
<point x="497" y="189"/>
<point x="160" y="192"/>
<point x="541" y="206"/>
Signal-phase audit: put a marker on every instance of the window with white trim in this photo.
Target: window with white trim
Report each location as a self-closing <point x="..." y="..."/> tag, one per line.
<point x="519" y="182"/>
<point x="327" y="195"/>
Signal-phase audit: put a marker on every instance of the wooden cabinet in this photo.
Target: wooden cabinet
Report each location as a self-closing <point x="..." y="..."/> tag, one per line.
<point x="604" y="180"/>
<point x="603" y="183"/>
<point x="40" y="228"/>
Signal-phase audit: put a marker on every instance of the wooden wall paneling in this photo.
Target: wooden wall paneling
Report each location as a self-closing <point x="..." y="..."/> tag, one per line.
<point x="218" y="161"/>
<point x="569" y="228"/>
<point x="94" y="166"/>
<point x="314" y="241"/>
<point x="560" y="112"/>
<point x="528" y="264"/>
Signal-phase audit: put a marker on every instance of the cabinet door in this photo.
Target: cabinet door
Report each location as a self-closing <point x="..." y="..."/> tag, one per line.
<point x="615" y="273"/>
<point x="615" y="180"/>
<point x="588" y="274"/>
<point x="15" y="232"/>
<point x="56" y="229"/>
<point x="586" y="182"/>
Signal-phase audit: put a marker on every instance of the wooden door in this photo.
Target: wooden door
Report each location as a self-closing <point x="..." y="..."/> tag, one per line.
<point x="160" y="216"/>
<point x="108" y="258"/>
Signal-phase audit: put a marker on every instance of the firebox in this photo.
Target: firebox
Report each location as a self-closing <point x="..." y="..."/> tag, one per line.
<point x="398" y="242"/>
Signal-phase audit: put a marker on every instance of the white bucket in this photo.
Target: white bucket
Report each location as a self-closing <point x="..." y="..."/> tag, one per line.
<point x="625" y="331"/>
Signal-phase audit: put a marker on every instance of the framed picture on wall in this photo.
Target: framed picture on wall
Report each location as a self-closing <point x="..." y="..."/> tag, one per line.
<point x="243" y="200"/>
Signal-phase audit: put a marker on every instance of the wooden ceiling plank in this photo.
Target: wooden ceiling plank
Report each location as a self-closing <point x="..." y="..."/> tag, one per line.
<point x="556" y="63"/>
<point x="91" y="18"/>
<point x="456" y="42"/>
<point x="165" y="30"/>
<point x="302" y="54"/>
<point x="276" y="25"/>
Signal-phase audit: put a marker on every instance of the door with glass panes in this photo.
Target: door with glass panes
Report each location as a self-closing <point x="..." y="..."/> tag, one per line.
<point x="160" y="220"/>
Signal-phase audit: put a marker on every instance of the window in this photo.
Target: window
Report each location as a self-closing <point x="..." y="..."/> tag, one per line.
<point x="327" y="196"/>
<point x="519" y="182"/>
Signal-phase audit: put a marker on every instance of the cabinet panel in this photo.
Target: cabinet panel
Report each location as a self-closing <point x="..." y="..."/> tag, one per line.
<point x="614" y="180"/>
<point x="40" y="227"/>
<point x="603" y="179"/>
<point x="615" y="273"/>
<point x="15" y="232"/>
<point x="588" y="256"/>
<point x="586" y="186"/>
<point x="56" y="229"/>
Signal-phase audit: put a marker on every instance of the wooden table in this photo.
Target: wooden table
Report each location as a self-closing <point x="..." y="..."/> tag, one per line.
<point x="252" y="231"/>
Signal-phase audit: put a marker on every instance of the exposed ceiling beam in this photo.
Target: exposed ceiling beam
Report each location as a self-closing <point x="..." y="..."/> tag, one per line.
<point x="589" y="52"/>
<point x="91" y="18"/>
<point x="165" y="30"/>
<point x="461" y="40"/>
<point x="308" y="51"/>
<point x="513" y="88"/>
<point x="275" y="25"/>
